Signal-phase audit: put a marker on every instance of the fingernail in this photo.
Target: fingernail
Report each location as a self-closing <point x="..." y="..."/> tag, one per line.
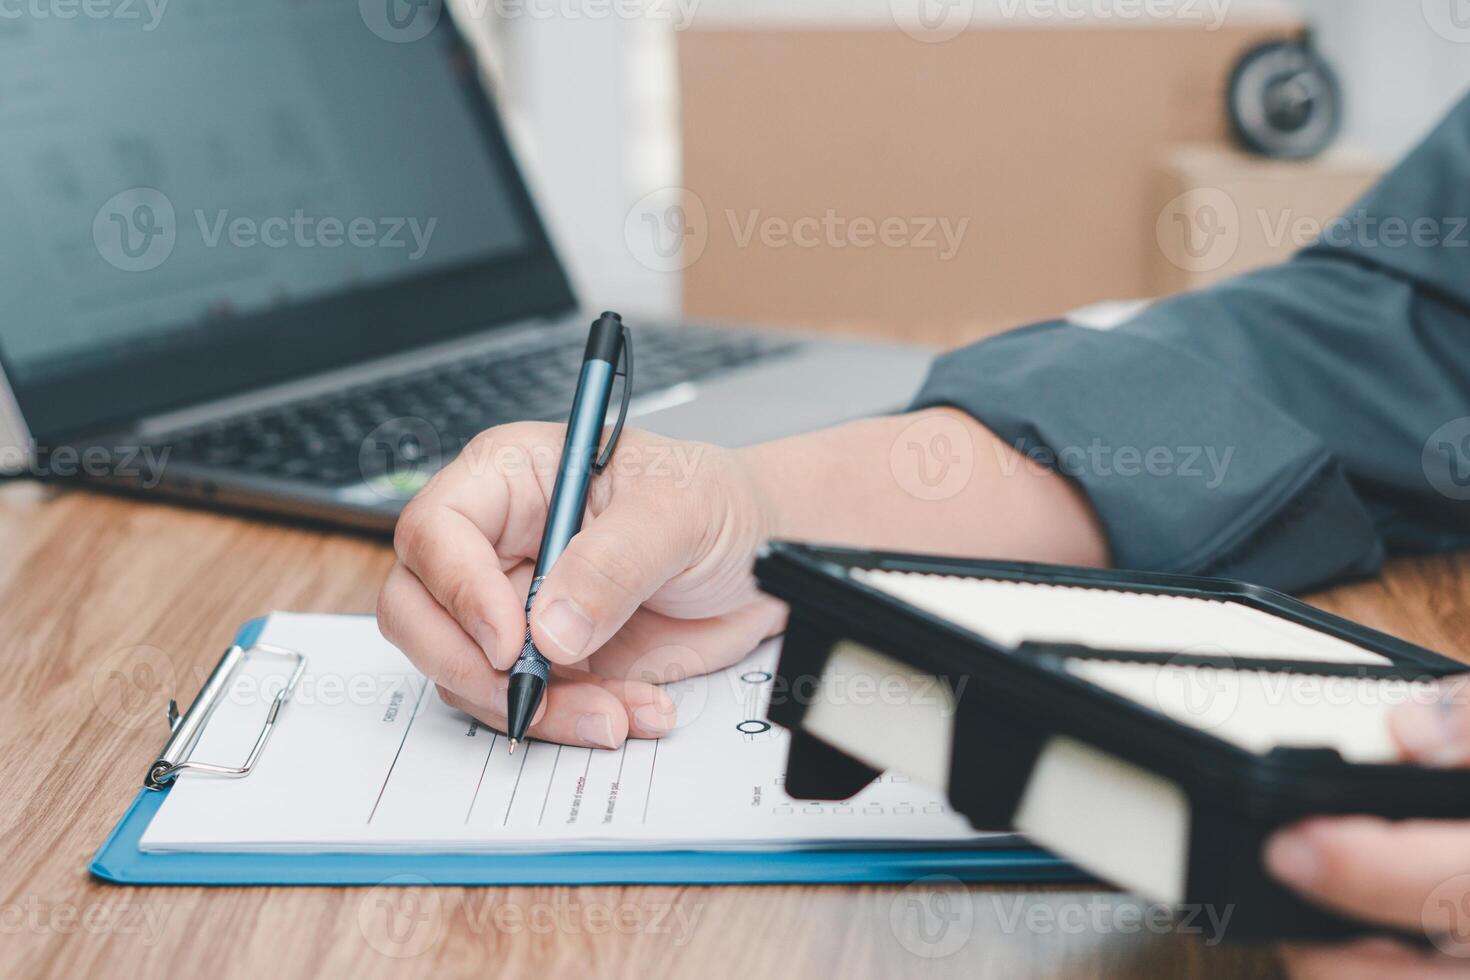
<point x="489" y="642"/>
<point x="567" y="626"/>
<point x="596" y="729"/>
<point x="1293" y="858"/>
<point x="1429" y="734"/>
<point x="654" y="719"/>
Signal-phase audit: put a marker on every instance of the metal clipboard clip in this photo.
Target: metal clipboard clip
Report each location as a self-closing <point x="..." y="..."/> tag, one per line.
<point x="184" y="730"/>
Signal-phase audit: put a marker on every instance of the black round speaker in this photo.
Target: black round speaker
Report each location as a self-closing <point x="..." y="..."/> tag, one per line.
<point x="1284" y="101"/>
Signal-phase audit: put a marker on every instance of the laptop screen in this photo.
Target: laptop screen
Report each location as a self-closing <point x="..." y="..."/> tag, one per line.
<point x="279" y="187"/>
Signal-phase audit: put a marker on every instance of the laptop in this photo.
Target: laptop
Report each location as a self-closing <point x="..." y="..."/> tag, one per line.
<point x="280" y="257"/>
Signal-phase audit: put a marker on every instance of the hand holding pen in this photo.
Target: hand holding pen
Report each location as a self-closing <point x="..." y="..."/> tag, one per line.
<point x="647" y="592"/>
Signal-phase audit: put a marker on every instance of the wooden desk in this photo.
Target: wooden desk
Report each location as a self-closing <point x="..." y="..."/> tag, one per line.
<point x="108" y="607"/>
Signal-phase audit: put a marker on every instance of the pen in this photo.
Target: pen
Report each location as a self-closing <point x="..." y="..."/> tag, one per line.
<point x="607" y="343"/>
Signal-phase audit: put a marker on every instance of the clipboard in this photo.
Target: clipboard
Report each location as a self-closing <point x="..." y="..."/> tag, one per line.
<point x="120" y="860"/>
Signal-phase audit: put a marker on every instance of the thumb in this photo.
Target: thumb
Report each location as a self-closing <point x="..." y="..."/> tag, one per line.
<point x="1433" y="734"/>
<point x="610" y="568"/>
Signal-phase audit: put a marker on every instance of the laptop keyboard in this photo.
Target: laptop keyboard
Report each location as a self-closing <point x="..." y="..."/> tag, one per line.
<point x="435" y="412"/>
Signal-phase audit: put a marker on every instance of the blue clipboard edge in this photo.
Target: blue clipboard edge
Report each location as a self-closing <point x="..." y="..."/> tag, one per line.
<point x="119" y="860"/>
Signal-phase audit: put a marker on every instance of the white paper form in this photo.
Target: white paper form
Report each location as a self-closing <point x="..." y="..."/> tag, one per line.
<point x="367" y="757"/>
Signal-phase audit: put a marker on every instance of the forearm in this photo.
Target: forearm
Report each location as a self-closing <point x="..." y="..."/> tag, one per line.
<point x="935" y="481"/>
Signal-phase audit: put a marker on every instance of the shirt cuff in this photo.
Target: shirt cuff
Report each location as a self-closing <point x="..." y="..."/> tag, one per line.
<point x="1188" y="469"/>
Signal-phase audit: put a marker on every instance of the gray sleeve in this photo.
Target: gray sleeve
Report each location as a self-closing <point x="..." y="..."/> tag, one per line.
<point x="1289" y="427"/>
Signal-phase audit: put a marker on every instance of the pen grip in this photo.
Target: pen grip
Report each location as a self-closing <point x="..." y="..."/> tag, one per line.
<point x="530" y="661"/>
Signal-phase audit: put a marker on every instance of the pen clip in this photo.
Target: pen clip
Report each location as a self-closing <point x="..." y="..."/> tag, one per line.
<point x="625" y="357"/>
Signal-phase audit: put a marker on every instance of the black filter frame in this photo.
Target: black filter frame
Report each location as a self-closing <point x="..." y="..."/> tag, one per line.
<point x="1010" y="702"/>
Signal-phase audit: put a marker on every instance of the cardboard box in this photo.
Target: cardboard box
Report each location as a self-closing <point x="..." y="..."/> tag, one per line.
<point x="1007" y="174"/>
<point x="1222" y="213"/>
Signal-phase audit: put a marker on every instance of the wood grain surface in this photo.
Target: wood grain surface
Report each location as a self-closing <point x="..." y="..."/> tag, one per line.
<point x="110" y="606"/>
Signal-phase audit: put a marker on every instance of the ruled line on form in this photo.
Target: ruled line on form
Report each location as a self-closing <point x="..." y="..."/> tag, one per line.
<point x="401" y="742"/>
<point x="647" y="799"/>
<point x="550" y="782"/>
<point x="524" y="756"/>
<point x="494" y="736"/>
